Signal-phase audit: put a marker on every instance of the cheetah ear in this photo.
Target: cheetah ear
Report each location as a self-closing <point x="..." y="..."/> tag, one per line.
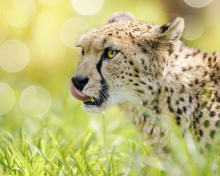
<point x="121" y="16"/>
<point x="172" y="31"/>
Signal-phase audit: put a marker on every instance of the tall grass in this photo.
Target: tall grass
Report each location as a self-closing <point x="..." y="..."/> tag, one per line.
<point x="104" y="147"/>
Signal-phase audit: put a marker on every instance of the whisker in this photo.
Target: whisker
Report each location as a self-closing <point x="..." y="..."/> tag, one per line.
<point x="103" y="95"/>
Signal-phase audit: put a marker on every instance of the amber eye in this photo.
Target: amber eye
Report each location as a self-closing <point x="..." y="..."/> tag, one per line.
<point x="111" y="53"/>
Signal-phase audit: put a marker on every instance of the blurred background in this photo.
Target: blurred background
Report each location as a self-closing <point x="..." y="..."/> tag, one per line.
<point x="38" y="56"/>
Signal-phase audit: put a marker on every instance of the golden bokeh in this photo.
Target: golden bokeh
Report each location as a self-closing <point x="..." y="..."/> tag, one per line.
<point x="19" y="13"/>
<point x="198" y="3"/>
<point x="35" y="101"/>
<point x="87" y="7"/>
<point x="194" y="27"/>
<point x="14" y="56"/>
<point x="7" y="98"/>
<point x="71" y="30"/>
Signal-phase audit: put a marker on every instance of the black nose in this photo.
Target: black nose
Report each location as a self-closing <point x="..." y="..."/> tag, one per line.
<point x="80" y="82"/>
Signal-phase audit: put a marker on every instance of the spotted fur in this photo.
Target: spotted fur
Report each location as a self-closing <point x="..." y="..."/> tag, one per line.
<point x="155" y="77"/>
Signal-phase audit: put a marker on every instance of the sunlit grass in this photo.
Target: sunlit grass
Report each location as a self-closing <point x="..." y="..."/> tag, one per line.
<point x="49" y="152"/>
<point x="106" y="146"/>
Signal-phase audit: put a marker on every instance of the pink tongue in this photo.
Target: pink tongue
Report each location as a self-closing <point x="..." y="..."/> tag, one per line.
<point x="78" y="94"/>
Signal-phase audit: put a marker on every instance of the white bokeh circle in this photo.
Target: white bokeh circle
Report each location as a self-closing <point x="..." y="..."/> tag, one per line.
<point x="7" y="98"/>
<point x="194" y="27"/>
<point x="19" y="13"/>
<point x="87" y="7"/>
<point x="14" y="55"/>
<point x="71" y="29"/>
<point x="197" y="3"/>
<point x="35" y="101"/>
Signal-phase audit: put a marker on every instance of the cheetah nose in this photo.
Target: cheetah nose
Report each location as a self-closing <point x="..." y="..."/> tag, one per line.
<point x="77" y="85"/>
<point x="80" y="82"/>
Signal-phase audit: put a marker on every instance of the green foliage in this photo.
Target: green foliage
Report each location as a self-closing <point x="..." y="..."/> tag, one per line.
<point x="100" y="149"/>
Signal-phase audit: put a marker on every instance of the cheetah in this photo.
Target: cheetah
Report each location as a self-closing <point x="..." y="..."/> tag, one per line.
<point x="152" y="76"/>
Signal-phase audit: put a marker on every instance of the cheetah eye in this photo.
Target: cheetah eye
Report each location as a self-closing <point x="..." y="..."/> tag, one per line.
<point x="111" y="53"/>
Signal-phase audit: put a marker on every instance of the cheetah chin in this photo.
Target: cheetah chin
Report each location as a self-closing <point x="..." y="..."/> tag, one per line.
<point x="154" y="77"/>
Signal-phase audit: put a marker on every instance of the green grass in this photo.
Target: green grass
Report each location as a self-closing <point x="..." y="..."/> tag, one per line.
<point x="104" y="144"/>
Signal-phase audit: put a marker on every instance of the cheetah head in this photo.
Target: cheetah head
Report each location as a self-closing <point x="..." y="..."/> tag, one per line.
<point x="116" y="63"/>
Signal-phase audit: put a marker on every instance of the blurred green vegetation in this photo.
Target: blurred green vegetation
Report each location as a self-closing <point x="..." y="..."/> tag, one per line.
<point x="66" y="140"/>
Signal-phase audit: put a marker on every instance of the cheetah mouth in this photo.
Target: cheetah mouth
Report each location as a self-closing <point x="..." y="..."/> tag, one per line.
<point x="90" y="101"/>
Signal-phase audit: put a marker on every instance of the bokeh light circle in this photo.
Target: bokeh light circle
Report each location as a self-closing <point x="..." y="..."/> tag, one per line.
<point x="87" y="7"/>
<point x="198" y="3"/>
<point x="50" y="2"/>
<point x="7" y="98"/>
<point x="35" y="101"/>
<point x="194" y="27"/>
<point x="71" y="29"/>
<point x="14" y="56"/>
<point x="36" y="52"/>
<point x="19" y="13"/>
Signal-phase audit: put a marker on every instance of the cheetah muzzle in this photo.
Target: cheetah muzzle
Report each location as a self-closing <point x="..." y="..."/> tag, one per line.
<point x="150" y="74"/>
<point x="76" y="89"/>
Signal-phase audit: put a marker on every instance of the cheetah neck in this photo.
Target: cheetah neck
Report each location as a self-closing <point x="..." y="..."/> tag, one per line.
<point x="179" y="90"/>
